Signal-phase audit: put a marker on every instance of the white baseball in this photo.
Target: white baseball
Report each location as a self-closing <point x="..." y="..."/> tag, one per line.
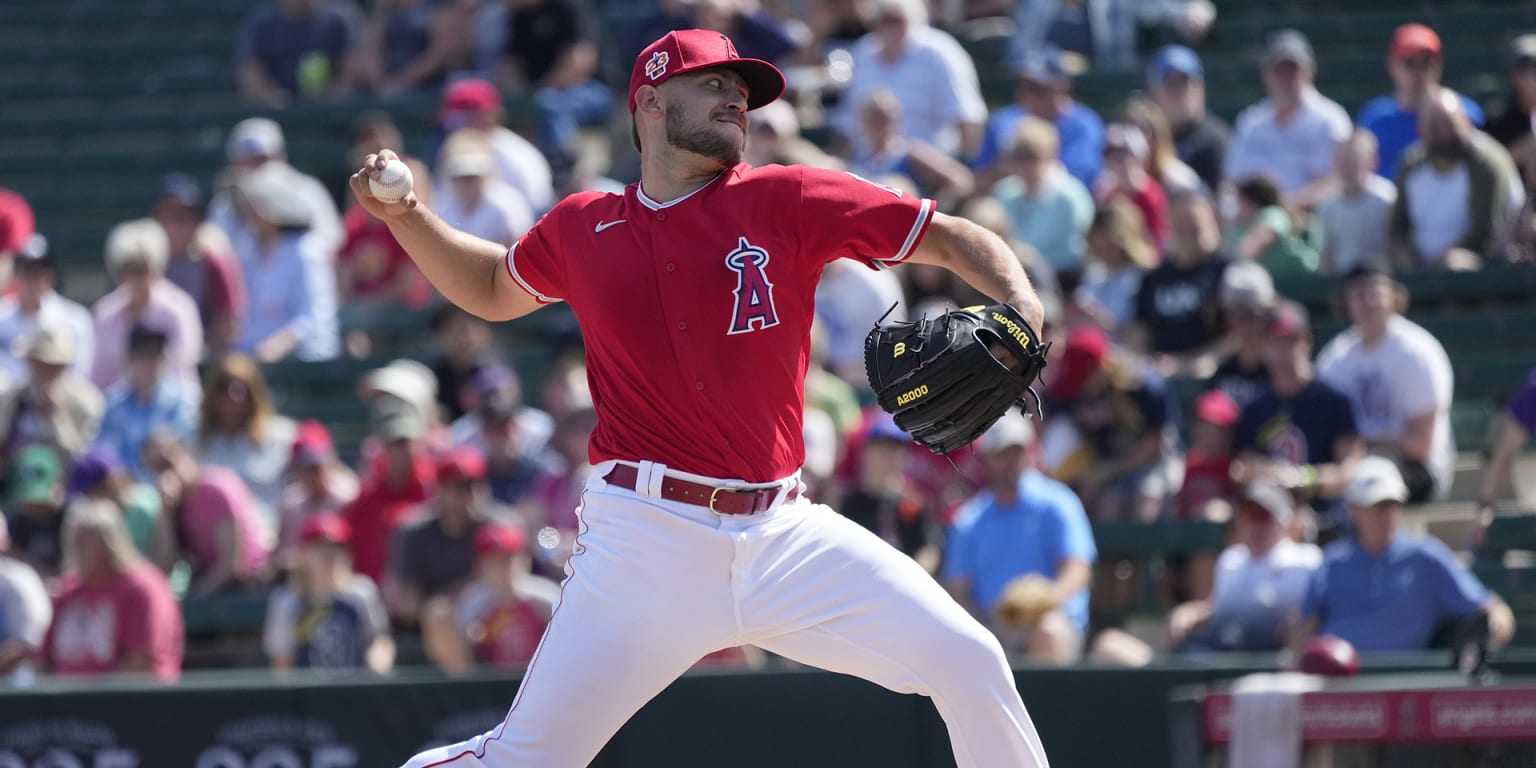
<point x="393" y="184"/>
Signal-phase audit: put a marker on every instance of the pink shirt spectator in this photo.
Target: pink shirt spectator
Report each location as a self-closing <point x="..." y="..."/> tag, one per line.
<point x="170" y="310"/>
<point x="219" y="496"/>
<point x="96" y="626"/>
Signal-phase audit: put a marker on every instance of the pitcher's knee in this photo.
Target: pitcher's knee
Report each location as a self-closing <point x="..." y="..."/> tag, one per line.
<point x="970" y="658"/>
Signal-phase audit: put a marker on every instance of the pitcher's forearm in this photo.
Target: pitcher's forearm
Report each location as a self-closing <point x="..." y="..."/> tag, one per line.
<point x="467" y="270"/>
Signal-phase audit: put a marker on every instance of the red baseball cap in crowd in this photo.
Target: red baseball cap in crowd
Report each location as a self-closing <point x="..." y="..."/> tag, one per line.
<point x="16" y="221"/>
<point x="1087" y="346"/>
<point x="1216" y="407"/>
<point x="499" y="539"/>
<point x="460" y="465"/>
<point x="1412" y="39"/>
<point x="327" y="528"/>
<point x="687" y="50"/>
<point x="1290" y="321"/>
<point x="312" y="445"/>
<point x="471" y="94"/>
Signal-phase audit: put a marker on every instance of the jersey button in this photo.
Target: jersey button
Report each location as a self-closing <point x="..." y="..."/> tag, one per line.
<point x="671" y="267"/>
<point x="699" y="386"/>
<point x="682" y="326"/>
<point x="661" y="215"/>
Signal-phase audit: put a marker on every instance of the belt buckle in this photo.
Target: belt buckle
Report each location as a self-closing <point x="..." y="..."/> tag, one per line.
<point x="717" y="489"/>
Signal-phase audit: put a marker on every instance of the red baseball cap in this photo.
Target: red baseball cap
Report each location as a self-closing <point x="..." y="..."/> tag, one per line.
<point x="312" y="444"/>
<point x="16" y="221"/>
<point x="461" y="465"/>
<point x="1087" y="346"/>
<point x="1216" y="407"/>
<point x="327" y="528"/>
<point x="687" y="50"/>
<point x="470" y="94"/>
<point x="1412" y="39"/>
<point x="499" y="539"/>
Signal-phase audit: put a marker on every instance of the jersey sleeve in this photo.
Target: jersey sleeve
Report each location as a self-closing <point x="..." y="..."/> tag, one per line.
<point x="844" y="215"/>
<point x="534" y="260"/>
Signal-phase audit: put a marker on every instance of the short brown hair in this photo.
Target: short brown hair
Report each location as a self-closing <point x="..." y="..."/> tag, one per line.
<point x="1034" y="139"/>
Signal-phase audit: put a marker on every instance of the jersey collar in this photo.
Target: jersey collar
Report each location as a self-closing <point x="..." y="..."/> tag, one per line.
<point x="646" y="200"/>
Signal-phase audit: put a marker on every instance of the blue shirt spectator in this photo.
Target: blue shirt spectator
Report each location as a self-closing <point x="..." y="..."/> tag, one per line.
<point x="293" y="290"/>
<point x="1042" y="528"/>
<point x="132" y="416"/>
<point x="1397" y="128"/>
<point x="1080" y="129"/>
<point x="294" y="46"/>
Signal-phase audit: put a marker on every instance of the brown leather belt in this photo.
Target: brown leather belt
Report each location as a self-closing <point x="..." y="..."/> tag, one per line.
<point x="722" y="500"/>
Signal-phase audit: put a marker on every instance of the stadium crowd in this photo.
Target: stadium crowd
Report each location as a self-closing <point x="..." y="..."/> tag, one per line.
<point x="146" y="461"/>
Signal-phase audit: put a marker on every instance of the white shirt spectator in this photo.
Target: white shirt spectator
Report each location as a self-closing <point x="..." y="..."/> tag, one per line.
<point x="849" y="299"/>
<point x="54" y="311"/>
<point x="1353" y="228"/>
<point x="24" y="606"/>
<point x="523" y="167"/>
<point x="1247" y="591"/>
<point x="934" y="78"/>
<point x="502" y="216"/>
<point x="1295" y="154"/>
<point x="1437" y="204"/>
<point x="1405" y="375"/>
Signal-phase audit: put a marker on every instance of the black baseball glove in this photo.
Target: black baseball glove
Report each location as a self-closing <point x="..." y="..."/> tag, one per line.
<point x="947" y="379"/>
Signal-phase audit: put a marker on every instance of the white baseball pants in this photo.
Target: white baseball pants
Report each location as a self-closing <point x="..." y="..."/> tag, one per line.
<point x="655" y="585"/>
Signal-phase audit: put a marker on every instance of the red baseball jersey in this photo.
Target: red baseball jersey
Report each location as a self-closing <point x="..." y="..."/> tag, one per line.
<point x="697" y="312"/>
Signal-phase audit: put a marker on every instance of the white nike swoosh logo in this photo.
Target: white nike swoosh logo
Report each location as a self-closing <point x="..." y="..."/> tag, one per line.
<point x="602" y="225"/>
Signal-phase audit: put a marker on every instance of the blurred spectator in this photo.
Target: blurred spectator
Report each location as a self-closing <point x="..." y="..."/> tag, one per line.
<point x="886" y="501"/>
<point x="1043" y="89"/>
<point x="1458" y="192"/>
<point x="137" y="254"/>
<point x="822" y="445"/>
<point x="774" y="138"/>
<point x="551" y="508"/>
<point x="755" y="32"/>
<point x="474" y="200"/>
<point x="1247" y="299"/>
<point x="1398" y="380"/>
<point x="1385" y="589"/>
<point x="1119" y="253"/>
<point x="1291" y="134"/>
<point x="1048" y="208"/>
<point x="836" y="28"/>
<point x="289" y="48"/>
<point x="410" y="45"/>
<point x="255" y="143"/>
<point x="990" y="214"/>
<point x="1260" y="582"/>
<point x="886" y="152"/>
<point x="1351" y="224"/>
<point x="17" y="226"/>
<point x="36" y="508"/>
<point x="101" y="475"/>
<point x="825" y="390"/>
<point x="373" y="271"/>
<point x="394" y="481"/>
<point x="1515" y="428"/>
<point x="514" y="462"/>
<point x="404" y="383"/>
<point x="435" y="555"/>
<point x="53" y="405"/>
<point x="289" y="272"/>
<point x="498" y="618"/>
<point x="202" y="262"/>
<point x="1514" y="127"/>
<point x="319" y="484"/>
<point x="1208" y="490"/>
<point x="327" y="616"/>
<point x="36" y="304"/>
<point x="552" y="50"/>
<point x="927" y="69"/>
<point x="1262" y="230"/>
<point x="1021" y="552"/>
<point x="474" y="105"/>
<point x="25" y="612"/>
<point x="1415" y="62"/>
<point x="1116" y="436"/>
<point x="1104" y="32"/>
<point x="495" y="392"/>
<point x="1163" y="163"/>
<point x="209" y="519"/>
<point x="1177" y="316"/>
<point x="465" y="343"/>
<point x="1176" y="80"/>
<point x="240" y="430"/>
<point x="1126" y="156"/>
<point x="1300" y="433"/>
<point x="146" y="400"/>
<point x="114" y="613"/>
<point x="849" y="299"/>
